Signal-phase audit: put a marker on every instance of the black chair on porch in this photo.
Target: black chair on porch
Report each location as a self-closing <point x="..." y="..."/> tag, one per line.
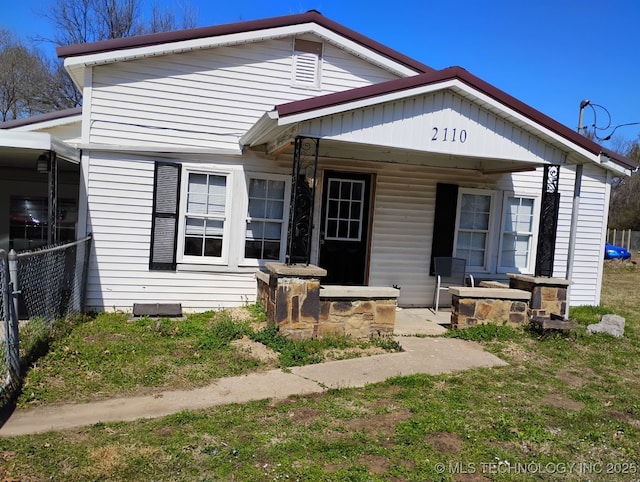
<point x="449" y="272"/>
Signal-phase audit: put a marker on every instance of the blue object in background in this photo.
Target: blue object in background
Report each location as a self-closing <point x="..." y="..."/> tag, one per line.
<point x="615" y="252"/>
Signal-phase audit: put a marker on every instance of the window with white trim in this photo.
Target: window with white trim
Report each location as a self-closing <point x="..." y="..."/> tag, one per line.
<point x="205" y="217"/>
<point x="473" y="227"/>
<point x="265" y="234"/>
<point x="307" y="63"/>
<point x="517" y="234"/>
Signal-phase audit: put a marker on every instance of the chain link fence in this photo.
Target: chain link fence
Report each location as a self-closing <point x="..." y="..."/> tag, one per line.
<point x="38" y="288"/>
<point x="9" y="348"/>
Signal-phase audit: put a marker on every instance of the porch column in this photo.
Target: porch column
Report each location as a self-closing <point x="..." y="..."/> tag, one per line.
<point x="303" y="189"/>
<point x="52" y="221"/>
<point x="548" y="221"/>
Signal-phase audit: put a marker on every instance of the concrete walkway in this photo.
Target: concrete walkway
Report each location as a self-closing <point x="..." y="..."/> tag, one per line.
<point x="421" y="355"/>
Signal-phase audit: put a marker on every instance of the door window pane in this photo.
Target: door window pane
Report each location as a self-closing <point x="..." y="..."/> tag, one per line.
<point x="345" y="201"/>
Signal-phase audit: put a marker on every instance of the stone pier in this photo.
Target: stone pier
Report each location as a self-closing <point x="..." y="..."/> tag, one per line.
<point x="301" y="309"/>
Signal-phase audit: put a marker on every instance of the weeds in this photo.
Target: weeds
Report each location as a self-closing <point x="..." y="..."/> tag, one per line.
<point x="114" y="355"/>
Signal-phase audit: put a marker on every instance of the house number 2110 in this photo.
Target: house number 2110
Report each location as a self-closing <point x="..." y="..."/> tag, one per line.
<point x="449" y="135"/>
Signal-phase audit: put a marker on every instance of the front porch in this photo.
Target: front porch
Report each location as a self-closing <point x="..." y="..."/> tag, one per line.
<point x="301" y="308"/>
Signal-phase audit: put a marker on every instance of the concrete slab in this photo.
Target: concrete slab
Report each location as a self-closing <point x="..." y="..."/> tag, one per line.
<point x="274" y="384"/>
<point x="421" y="321"/>
<point x="421" y="355"/>
<point x="430" y="356"/>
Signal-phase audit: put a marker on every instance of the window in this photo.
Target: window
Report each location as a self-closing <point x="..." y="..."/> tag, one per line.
<point x="517" y="234"/>
<point x="474" y="227"/>
<point x="307" y="56"/>
<point x="205" y="215"/>
<point x="345" y="203"/>
<point x="265" y="219"/>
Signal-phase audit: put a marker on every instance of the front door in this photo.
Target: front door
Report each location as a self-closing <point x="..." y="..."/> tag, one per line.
<point x="344" y="233"/>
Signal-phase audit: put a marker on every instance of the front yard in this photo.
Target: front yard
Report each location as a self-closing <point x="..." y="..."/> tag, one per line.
<point x="566" y="408"/>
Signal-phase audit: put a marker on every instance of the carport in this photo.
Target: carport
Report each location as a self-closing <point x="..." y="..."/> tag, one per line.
<point x="37" y="170"/>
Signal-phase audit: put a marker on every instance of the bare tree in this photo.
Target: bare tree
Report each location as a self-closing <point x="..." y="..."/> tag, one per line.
<point x="25" y="81"/>
<point x="82" y="21"/>
<point x="624" y="206"/>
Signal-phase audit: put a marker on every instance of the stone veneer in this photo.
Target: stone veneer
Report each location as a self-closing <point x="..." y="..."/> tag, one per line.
<point x="301" y="309"/>
<point x="357" y="311"/>
<point x="548" y="295"/>
<point x="477" y="306"/>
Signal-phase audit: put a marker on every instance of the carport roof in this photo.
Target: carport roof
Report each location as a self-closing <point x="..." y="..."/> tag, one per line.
<point x="19" y="145"/>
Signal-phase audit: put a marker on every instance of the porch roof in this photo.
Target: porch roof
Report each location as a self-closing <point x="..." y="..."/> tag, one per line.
<point x="412" y="118"/>
<point x="20" y="148"/>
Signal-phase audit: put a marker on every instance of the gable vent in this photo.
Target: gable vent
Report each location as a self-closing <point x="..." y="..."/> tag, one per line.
<point x="306" y="63"/>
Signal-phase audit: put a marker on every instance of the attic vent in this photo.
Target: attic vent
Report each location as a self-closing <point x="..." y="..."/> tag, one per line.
<point x="306" y="63"/>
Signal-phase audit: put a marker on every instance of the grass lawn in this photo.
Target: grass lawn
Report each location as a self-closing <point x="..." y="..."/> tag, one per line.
<point x="566" y="408"/>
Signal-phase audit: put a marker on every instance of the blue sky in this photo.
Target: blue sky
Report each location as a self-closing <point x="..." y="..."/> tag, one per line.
<point x="549" y="54"/>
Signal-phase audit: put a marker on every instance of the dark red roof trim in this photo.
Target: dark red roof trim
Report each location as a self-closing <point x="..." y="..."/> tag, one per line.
<point x="443" y="75"/>
<point x="61" y="114"/>
<point x="231" y="28"/>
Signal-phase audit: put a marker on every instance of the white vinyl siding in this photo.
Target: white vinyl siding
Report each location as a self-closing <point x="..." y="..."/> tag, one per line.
<point x="208" y="98"/>
<point x="440" y="122"/>
<point x="121" y="196"/>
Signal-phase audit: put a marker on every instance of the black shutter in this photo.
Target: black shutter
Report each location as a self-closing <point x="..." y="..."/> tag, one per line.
<point x="164" y="226"/>
<point x="444" y="223"/>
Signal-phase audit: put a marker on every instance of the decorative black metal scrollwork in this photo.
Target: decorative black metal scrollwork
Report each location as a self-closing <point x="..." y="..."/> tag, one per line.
<point x="548" y="221"/>
<point x="303" y="187"/>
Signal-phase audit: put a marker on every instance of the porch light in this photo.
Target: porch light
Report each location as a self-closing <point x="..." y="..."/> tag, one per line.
<point x="42" y="164"/>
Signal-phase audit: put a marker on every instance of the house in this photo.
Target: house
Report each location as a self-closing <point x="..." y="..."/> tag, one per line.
<point x="206" y="153"/>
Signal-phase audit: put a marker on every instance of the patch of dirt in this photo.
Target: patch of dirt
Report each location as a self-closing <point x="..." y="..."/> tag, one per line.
<point x="558" y="401"/>
<point x="623" y="417"/>
<point x="516" y="353"/>
<point x="382" y="423"/>
<point x="305" y="415"/>
<point x="253" y="349"/>
<point x="241" y="313"/>
<point x="576" y="380"/>
<point x="376" y="464"/>
<point x="445" y="442"/>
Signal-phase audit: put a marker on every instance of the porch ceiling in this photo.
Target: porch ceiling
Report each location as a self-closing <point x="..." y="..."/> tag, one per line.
<point x="22" y="149"/>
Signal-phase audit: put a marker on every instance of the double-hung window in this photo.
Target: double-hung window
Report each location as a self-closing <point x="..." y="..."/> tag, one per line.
<point x="206" y="216"/>
<point x="473" y="231"/>
<point x="517" y="234"/>
<point x="265" y="219"/>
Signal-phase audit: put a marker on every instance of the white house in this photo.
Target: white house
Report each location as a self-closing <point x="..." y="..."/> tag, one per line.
<point x="192" y="143"/>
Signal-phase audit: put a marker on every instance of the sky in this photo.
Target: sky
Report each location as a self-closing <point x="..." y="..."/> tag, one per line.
<point x="548" y="54"/>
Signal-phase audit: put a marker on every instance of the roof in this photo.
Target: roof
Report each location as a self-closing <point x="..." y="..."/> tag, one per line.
<point x="311" y="16"/>
<point x="451" y="73"/>
<point x="36" y="119"/>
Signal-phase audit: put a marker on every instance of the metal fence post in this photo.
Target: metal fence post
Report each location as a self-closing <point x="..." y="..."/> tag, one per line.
<point x="12" y="257"/>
